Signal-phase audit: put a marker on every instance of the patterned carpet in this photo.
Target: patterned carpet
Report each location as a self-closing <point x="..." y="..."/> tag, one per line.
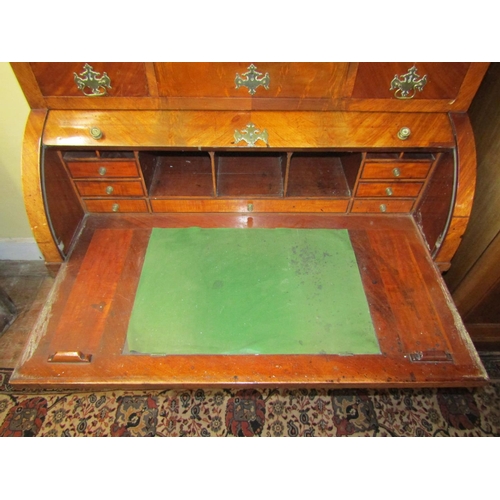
<point x="266" y="412"/>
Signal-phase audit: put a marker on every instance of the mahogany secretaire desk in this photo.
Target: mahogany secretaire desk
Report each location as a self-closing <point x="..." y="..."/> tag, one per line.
<point x="380" y="154"/>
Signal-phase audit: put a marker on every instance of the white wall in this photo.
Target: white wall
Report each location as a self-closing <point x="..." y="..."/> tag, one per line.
<point x="16" y="239"/>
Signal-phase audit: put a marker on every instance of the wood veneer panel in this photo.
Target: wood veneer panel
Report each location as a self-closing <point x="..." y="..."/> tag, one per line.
<point x="373" y="80"/>
<point x="81" y="169"/>
<point x="398" y="189"/>
<point x="465" y="186"/>
<point x="250" y="205"/>
<point x="382" y="206"/>
<point x="435" y="204"/>
<point x="118" y="205"/>
<point x="57" y="79"/>
<point x="318" y="174"/>
<point x="63" y="206"/>
<point x="292" y="80"/>
<point x="182" y="174"/>
<point x="32" y="187"/>
<point x="207" y="129"/>
<point x="99" y="188"/>
<point x="250" y="174"/>
<point x="28" y="84"/>
<point x="484" y="223"/>
<point x="82" y="321"/>
<point x="389" y="278"/>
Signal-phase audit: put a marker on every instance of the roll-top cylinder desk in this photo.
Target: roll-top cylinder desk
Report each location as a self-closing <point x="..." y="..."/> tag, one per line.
<point x="115" y="151"/>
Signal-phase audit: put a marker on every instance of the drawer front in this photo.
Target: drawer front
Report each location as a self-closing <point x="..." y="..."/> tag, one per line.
<point x="300" y="80"/>
<point x="103" y="188"/>
<point x="58" y="79"/>
<point x="431" y="80"/>
<point x="104" y="169"/>
<point x="396" y="189"/>
<point x="116" y="206"/>
<point x="396" y="170"/>
<point x="382" y="206"/>
<point x="331" y="206"/>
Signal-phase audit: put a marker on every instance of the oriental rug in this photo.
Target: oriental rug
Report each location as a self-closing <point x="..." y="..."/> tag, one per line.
<point x="253" y="412"/>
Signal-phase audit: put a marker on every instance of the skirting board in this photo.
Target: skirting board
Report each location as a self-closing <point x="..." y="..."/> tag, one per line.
<point x="19" y="249"/>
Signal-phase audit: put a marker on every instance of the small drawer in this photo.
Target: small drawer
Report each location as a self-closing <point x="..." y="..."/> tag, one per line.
<point x="116" y="206"/>
<point x="385" y="189"/>
<point x="125" y="79"/>
<point x="112" y="189"/>
<point x="395" y="170"/>
<point x="103" y="169"/>
<point x="382" y="206"/>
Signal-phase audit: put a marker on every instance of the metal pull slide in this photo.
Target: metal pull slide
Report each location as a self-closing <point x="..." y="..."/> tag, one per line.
<point x="115" y="207"/>
<point x="389" y="191"/>
<point x="407" y="85"/>
<point x="383" y="208"/>
<point x="431" y="357"/>
<point x="70" y="357"/>
<point x="396" y="172"/>
<point x="253" y="80"/>
<point x="91" y="79"/>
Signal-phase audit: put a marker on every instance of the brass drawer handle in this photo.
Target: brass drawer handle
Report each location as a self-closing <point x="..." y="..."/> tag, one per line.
<point x="389" y="191"/>
<point x="102" y="170"/>
<point x="383" y="207"/>
<point x="109" y="190"/>
<point x="91" y="79"/>
<point x="250" y="134"/>
<point x="253" y="79"/>
<point x="404" y="133"/>
<point x="407" y="85"/>
<point x="96" y="133"/>
<point x="396" y="172"/>
<point x="115" y="207"/>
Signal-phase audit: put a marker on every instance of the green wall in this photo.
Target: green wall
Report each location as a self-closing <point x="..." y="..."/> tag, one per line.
<point x="14" y="112"/>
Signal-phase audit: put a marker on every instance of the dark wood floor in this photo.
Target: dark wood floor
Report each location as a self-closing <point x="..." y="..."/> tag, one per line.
<point x="27" y="283"/>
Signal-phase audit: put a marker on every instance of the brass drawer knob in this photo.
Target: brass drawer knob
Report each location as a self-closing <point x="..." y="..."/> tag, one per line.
<point x="383" y="207"/>
<point x="109" y="190"/>
<point x="396" y="172"/>
<point x="389" y="191"/>
<point x="115" y="207"/>
<point x="404" y="133"/>
<point x="102" y="170"/>
<point x="96" y="133"/>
